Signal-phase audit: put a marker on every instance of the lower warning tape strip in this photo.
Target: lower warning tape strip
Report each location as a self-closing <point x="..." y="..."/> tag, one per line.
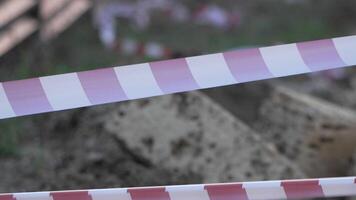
<point x="290" y="189"/>
<point x="73" y="90"/>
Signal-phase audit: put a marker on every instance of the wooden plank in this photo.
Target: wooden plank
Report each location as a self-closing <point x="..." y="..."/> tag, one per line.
<point x="64" y="19"/>
<point x="12" y="9"/>
<point x="16" y="33"/>
<point x="50" y="8"/>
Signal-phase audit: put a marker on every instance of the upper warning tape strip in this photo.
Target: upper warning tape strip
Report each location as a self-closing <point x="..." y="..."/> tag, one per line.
<point x="74" y="90"/>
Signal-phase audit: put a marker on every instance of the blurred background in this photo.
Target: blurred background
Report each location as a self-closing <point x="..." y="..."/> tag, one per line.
<point x="295" y="127"/>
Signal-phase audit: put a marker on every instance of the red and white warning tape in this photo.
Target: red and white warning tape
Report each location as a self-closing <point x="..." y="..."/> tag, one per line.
<point x="73" y="90"/>
<point x="290" y="189"/>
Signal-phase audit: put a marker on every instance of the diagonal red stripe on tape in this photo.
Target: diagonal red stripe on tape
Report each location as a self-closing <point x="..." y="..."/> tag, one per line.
<point x="149" y="194"/>
<point x="320" y="55"/>
<point x="75" y="195"/>
<point x="7" y="197"/>
<point x="101" y="86"/>
<point x="302" y="189"/>
<point x="27" y="96"/>
<point x="173" y="76"/>
<point x="226" y="192"/>
<point x="247" y="65"/>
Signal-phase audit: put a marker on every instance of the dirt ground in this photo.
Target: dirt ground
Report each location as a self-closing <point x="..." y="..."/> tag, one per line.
<point x="75" y="149"/>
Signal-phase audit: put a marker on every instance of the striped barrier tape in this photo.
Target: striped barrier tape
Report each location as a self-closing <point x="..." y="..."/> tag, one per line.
<point x="87" y="88"/>
<point x="289" y="189"/>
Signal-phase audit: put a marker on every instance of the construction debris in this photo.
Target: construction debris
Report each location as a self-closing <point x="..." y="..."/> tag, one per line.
<point x="174" y="139"/>
<point x="190" y="131"/>
<point x="309" y="131"/>
<point x="139" y="13"/>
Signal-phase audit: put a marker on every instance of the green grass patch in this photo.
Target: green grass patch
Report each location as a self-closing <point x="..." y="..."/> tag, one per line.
<point x="10" y="137"/>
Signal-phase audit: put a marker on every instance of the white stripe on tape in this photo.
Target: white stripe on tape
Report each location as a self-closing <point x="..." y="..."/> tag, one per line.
<point x="64" y="91"/>
<point x="191" y="192"/>
<point x="262" y="184"/>
<point x="210" y="70"/>
<point x="110" y="194"/>
<point x="33" y="196"/>
<point x="335" y="181"/>
<point x="137" y="81"/>
<point x="284" y="60"/>
<point x="338" y="186"/>
<point x="346" y="47"/>
<point x="264" y="190"/>
<point x="5" y="107"/>
<point x="180" y="188"/>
